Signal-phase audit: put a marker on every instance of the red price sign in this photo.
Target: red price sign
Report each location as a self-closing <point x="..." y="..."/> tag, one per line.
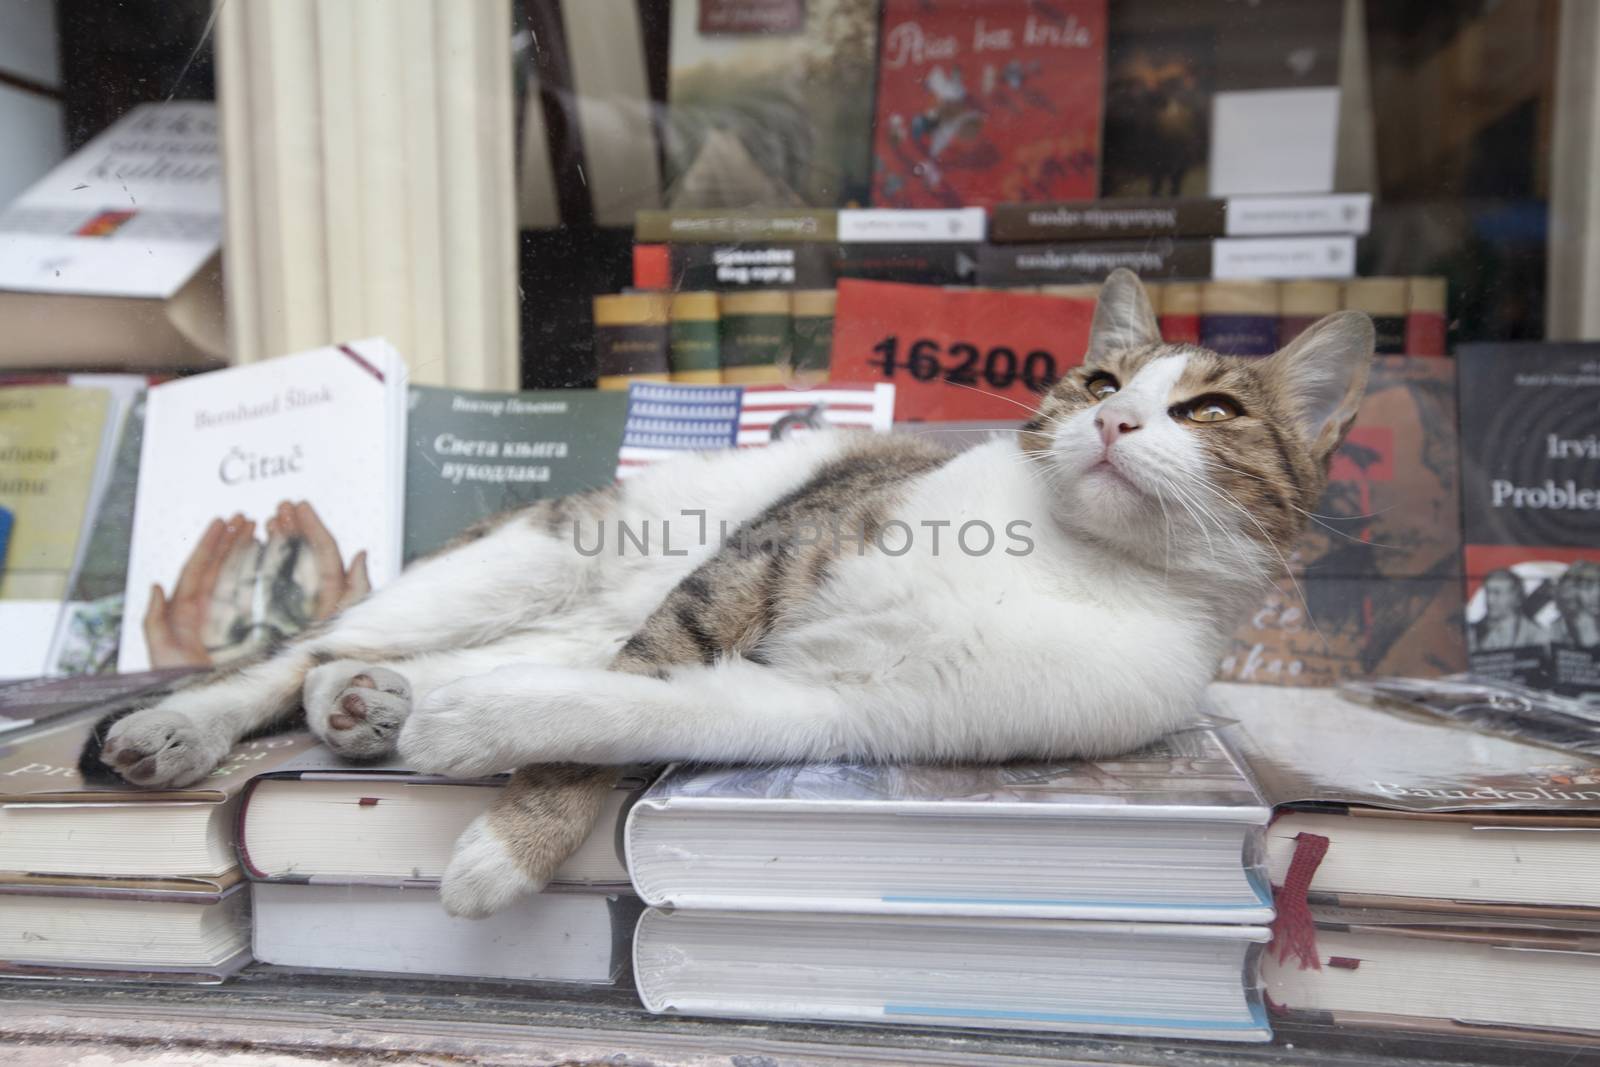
<point x="956" y="354"/>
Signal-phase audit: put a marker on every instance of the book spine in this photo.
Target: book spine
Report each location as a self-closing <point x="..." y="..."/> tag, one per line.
<point x="1302" y="303"/>
<point x="1385" y="300"/>
<point x="813" y="333"/>
<point x="711" y="227"/>
<point x="934" y="263"/>
<point x="1081" y="291"/>
<point x="1257" y="258"/>
<point x="965" y="225"/>
<point x="696" y="339"/>
<point x="1270" y="216"/>
<point x="1239" y="318"/>
<point x="631" y="338"/>
<point x="729" y="268"/>
<point x="1018" y="265"/>
<point x="1180" y="313"/>
<point x="1425" y="316"/>
<point x="756" y="337"/>
<point x="1107" y="220"/>
<point x="652" y="267"/>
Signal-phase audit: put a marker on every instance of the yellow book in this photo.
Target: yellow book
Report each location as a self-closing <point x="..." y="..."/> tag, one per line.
<point x="49" y="442"/>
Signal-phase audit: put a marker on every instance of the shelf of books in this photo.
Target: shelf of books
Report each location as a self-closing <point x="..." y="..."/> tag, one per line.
<point x="633" y="710"/>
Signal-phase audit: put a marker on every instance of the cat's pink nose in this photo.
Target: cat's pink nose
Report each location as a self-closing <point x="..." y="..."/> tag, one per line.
<point x="1115" y="427"/>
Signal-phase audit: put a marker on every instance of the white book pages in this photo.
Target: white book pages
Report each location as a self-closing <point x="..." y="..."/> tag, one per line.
<point x="1480" y="983"/>
<point x="558" y="937"/>
<point x="1110" y="978"/>
<point x="388" y="829"/>
<point x="122" y="933"/>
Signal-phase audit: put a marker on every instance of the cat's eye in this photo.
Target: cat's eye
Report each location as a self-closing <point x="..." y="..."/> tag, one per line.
<point x="1101" y="385"/>
<point x="1209" y="409"/>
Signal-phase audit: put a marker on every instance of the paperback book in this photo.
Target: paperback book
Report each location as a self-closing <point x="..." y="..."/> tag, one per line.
<point x="1375" y="583"/>
<point x="474" y="454"/>
<point x="269" y="496"/>
<point x="1531" y="513"/>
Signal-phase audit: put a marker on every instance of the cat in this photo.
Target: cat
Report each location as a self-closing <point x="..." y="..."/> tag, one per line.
<point x="857" y="608"/>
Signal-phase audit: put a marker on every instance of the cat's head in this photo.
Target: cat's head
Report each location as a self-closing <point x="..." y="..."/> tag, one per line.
<point x="1192" y="460"/>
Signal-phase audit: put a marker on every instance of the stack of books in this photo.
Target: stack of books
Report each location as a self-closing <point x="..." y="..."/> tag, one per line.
<point x="345" y="863"/>
<point x="1429" y="877"/>
<point x="99" y="879"/>
<point x="1121" y="896"/>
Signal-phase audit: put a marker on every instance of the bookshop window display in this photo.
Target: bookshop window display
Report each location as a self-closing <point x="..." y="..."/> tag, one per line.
<point x="349" y="357"/>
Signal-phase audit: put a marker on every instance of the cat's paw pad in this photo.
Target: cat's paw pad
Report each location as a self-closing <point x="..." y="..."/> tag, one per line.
<point x="452" y="734"/>
<point x="483" y="878"/>
<point x="161" y="749"/>
<point x="356" y="709"/>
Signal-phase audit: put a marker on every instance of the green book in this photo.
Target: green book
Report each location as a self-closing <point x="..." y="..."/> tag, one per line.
<point x="695" y="352"/>
<point x="475" y="454"/>
<point x="757" y="336"/>
<point x="813" y="332"/>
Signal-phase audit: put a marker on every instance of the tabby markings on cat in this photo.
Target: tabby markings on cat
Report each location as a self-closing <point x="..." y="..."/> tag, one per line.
<point x="1162" y="486"/>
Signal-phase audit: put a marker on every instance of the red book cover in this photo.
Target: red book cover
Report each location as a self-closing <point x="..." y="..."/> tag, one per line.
<point x="987" y="101"/>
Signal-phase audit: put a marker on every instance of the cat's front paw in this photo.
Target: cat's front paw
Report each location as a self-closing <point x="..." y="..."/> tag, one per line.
<point x="357" y="709"/>
<point x="483" y="878"/>
<point x="452" y="734"/>
<point x="162" y="749"/>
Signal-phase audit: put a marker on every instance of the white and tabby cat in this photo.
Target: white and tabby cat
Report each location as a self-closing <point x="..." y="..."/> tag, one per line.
<point x="1134" y="519"/>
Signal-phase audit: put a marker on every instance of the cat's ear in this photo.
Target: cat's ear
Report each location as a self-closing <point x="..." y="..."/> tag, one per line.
<point x="1123" y="318"/>
<point x="1322" y="374"/>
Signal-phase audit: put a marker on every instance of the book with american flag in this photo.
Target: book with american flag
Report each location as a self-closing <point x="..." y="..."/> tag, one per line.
<point x="665" y="419"/>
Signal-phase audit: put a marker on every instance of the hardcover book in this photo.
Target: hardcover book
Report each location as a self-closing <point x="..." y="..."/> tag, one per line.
<point x="1531" y="513"/>
<point x="270" y="495"/>
<point x="1163" y="835"/>
<point x="1444" y="977"/>
<point x="61" y="812"/>
<point x="983" y="103"/>
<point x="1147" y="979"/>
<point x="475" y="454"/>
<point x="1413" y="813"/>
<point x="317" y="819"/>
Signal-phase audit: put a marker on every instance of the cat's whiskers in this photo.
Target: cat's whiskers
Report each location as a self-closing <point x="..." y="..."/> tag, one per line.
<point x="1031" y="410"/>
<point x="1313" y="516"/>
<point x="1229" y="499"/>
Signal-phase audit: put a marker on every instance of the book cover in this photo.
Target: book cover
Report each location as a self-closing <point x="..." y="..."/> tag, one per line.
<point x="50" y="441"/>
<point x="982" y="103"/>
<point x="1376" y="574"/>
<point x="1316" y="746"/>
<point x="1191" y="770"/>
<point x="90" y="628"/>
<point x="1531" y="513"/>
<point x="269" y="495"/>
<point x="770" y="104"/>
<point x="32" y="701"/>
<point x="666" y="420"/>
<point x="1175" y="70"/>
<point x="474" y="454"/>
<point x="43" y="767"/>
<point x="112" y="259"/>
